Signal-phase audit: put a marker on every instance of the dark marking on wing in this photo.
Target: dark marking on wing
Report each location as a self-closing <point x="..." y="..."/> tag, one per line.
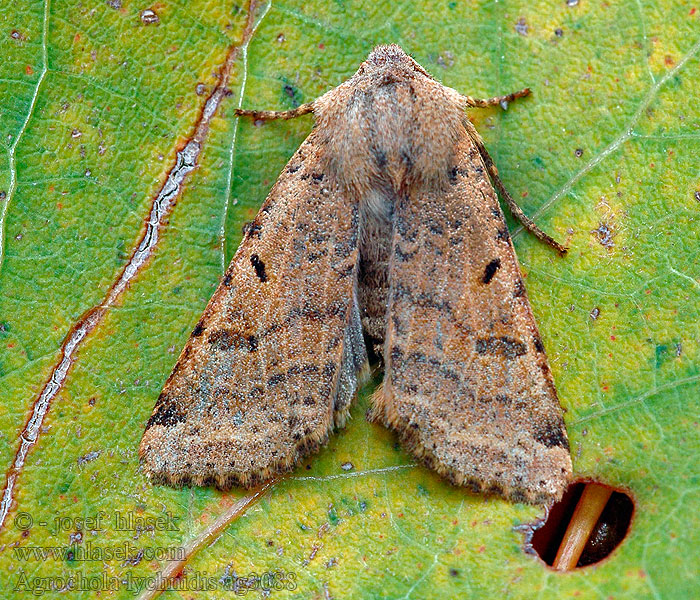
<point x="504" y="346"/>
<point x="396" y="354"/>
<point x="552" y="435"/>
<point x="252" y="343"/>
<point x="307" y="368"/>
<point x="166" y="413"/>
<point x="346" y="272"/>
<point x="259" y="267"/>
<point x="314" y="256"/>
<point x="275" y="379"/>
<point x="252" y="228"/>
<point x="491" y="269"/>
<point x="309" y="310"/>
<point x="380" y="157"/>
<point x="329" y="369"/>
<point x="403" y="227"/>
<point x="538" y="345"/>
<point x="198" y="329"/>
<point x="404" y="256"/>
<point x="228" y="339"/>
<point x="455" y="173"/>
<point x="519" y="290"/>
<point x="256" y="392"/>
<point x="428" y="299"/>
<point x="435" y="228"/>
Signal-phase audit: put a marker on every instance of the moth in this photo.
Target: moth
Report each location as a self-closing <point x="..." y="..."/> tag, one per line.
<point x="382" y="231"/>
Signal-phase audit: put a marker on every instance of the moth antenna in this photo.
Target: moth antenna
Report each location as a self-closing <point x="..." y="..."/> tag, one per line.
<point x="270" y="115"/>
<point x="496" y="100"/>
<point x="517" y="212"/>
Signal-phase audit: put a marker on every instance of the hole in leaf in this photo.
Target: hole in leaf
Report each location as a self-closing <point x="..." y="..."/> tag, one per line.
<point x="583" y="528"/>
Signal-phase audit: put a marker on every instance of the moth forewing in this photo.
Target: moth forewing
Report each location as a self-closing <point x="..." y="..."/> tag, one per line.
<point x="271" y="366"/>
<point x="467" y="385"/>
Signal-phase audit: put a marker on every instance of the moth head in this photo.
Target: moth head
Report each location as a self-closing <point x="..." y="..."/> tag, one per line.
<point x="390" y="57"/>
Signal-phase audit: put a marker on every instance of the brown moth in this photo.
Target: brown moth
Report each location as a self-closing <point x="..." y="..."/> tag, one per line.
<point x="384" y="223"/>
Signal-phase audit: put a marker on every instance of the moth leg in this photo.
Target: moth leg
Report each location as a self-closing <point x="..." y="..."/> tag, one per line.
<point x="496" y="100"/>
<point x="269" y="115"/>
<point x="514" y="208"/>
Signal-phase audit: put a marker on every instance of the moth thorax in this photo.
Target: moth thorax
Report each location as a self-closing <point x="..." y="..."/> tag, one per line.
<point x="391" y="130"/>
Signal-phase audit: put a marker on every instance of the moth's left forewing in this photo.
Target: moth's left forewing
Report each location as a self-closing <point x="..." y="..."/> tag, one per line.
<point x="272" y="365"/>
<point x="467" y="384"/>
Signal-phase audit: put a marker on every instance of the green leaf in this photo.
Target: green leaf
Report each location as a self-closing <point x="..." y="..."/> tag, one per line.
<point x="97" y="101"/>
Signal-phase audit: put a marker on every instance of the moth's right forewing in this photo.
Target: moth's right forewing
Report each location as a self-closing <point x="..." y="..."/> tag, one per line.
<point x="272" y="365"/>
<point x="467" y="385"/>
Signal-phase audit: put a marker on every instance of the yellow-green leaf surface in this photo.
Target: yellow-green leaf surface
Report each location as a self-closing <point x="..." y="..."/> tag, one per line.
<point x="98" y="101"/>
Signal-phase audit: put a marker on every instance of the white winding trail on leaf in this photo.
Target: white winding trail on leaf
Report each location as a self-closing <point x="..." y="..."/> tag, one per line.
<point x="160" y="209"/>
<point x="695" y="282"/>
<point x="186" y="161"/>
<point x="641" y="399"/>
<point x="643" y="26"/>
<point x="623" y="137"/>
<point x="232" y="153"/>
<point x="12" y="152"/>
<point x="354" y="473"/>
<point x="422" y="578"/>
